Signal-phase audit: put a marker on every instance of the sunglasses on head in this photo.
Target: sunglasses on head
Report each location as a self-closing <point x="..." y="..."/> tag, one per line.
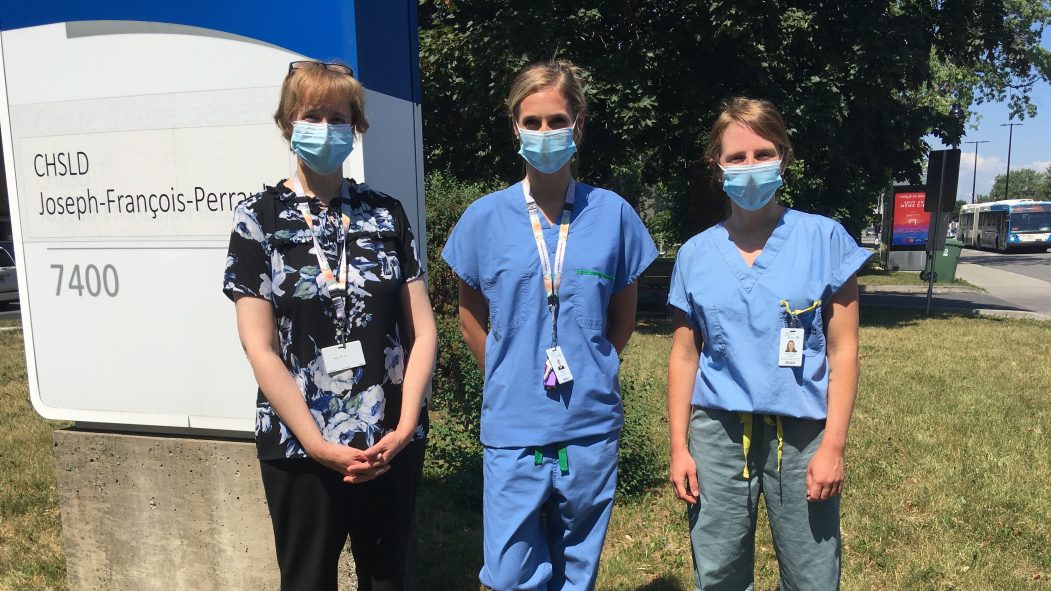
<point x="341" y="68"/>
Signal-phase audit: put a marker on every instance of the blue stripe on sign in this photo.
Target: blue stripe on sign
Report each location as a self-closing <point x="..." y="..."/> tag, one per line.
<point x="391" y="24"/>
<point x="319" y="29"/>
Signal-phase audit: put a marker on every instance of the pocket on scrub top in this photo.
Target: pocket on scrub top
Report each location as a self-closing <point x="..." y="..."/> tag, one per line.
<point x="814" y="324"/>
<point x="712" y="333"/>
<point x="509" y="293"/>
<point x="590" y="292"/>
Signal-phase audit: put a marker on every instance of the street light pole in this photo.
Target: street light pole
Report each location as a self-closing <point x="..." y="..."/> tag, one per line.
<point x="974" y="179"/>
<point x="1010" y="138"/>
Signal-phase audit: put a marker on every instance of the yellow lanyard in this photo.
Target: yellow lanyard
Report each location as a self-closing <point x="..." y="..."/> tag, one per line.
<point x="793" y="315"/>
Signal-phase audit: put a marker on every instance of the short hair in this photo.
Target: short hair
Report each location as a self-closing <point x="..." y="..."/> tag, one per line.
<point x="318" y="84"/>
<point x="562" y="75"/>
<point x="757" y="115"/>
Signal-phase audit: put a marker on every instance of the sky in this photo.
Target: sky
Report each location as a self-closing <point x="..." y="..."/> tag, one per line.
<point x="1030" y="147"/>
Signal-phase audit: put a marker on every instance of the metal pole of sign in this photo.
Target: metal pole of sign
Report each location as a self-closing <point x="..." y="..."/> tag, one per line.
<point x="932" y="239"/>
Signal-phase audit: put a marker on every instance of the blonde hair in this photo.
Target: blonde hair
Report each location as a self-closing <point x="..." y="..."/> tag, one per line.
<point x="315" y="85"/>
<point x="561" y="75"/>
<point x="757" y="115"/>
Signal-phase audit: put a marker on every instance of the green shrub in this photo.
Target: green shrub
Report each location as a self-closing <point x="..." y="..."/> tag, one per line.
<point x="447" y="198"/>
<point x="454" y="455"/>
<point x="643" y="458"/>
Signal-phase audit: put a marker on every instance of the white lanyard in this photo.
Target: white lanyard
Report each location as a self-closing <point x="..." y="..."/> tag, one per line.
<point x="552" y="275"/>
<point x="335" y="285"/>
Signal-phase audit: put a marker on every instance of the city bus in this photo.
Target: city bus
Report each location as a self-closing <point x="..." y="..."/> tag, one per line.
<point x="1011" y="224"/>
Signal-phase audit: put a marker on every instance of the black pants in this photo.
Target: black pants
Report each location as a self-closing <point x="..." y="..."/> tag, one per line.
<point x="313" y="511"/>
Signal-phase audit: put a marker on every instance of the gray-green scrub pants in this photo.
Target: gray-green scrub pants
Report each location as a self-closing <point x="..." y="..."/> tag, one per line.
<point x="722" y="525"/>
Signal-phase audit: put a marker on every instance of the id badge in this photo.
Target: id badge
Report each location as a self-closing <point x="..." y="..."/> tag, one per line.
<point x="339" y="358"/>
<point x="790" y="349"/>
<point x="559" y="365"/>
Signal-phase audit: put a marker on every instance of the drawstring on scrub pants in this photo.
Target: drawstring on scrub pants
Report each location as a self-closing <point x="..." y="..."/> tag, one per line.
<point x="746" y="418"/>
<point x="746" y="438"/>
<point x="563" y="458"/>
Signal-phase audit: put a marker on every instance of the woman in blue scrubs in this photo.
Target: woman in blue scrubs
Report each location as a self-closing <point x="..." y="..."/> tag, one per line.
<point x="749" y="413"/>
<point x="547" y="272"/>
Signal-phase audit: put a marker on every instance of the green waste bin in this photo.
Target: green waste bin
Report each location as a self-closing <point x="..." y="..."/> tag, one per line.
<point x="945" y="261"/>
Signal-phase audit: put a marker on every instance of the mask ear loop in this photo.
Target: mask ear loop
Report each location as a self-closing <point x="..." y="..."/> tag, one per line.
<point x="576" y="121"/>
<point x="293" y="166"/>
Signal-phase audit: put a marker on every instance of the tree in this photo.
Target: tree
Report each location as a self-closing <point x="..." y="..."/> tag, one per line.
<point x="859" y="84"/>
<point x="1026" y="183"/>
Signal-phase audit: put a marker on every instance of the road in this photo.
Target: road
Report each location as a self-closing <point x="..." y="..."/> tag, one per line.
<point x="1035" y="265"/>
<point x="11" y="312"/>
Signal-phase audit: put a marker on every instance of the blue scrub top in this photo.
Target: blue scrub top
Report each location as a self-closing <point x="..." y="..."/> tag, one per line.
<point x="736" y="308"/>
<point x="493" y="250"/>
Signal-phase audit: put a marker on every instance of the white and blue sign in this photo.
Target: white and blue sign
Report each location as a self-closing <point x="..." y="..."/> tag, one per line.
<point x="130" y="131"/>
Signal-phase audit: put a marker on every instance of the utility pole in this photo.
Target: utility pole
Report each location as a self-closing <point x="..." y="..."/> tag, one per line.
<point x="974" y="179"/>
<point x="1010" y="138"/>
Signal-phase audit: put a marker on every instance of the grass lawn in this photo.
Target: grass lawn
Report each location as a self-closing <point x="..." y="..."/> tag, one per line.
<point x="947" y="476"/>
<point x="10" y="323"/>
<point x="30" y="528"/>
<point x="947" y="465"/>
<point x="871" y="275"/>
<point x="947" y="469"/>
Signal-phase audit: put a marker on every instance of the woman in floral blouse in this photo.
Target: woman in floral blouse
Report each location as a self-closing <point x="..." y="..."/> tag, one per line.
<point x="335" y="320"/>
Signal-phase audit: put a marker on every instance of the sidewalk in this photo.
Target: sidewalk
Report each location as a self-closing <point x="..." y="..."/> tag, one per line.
<point x="1006" y="294"/>
<point x="1025" y="292"/>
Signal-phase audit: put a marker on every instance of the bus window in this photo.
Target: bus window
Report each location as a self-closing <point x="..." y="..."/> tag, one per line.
<point x="1031" y="222"/>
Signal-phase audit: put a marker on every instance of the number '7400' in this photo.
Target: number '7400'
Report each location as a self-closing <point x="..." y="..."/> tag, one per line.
<point x="90" y="280"/>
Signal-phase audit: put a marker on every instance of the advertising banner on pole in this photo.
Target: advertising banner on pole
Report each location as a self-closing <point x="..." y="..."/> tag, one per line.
<point x="910" y="222"/>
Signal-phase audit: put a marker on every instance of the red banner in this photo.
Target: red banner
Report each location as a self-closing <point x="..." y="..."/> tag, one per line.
<point x="910" y="221"/>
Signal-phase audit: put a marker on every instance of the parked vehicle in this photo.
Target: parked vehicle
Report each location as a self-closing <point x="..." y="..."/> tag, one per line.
<point x="8" y="277"/>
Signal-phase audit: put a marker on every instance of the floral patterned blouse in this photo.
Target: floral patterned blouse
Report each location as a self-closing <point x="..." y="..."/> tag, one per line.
<point x="272" y="257"/>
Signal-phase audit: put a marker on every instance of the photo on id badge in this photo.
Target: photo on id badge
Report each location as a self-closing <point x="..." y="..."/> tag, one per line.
<point x="790" y="349"/>
<point x="557" y="361"/>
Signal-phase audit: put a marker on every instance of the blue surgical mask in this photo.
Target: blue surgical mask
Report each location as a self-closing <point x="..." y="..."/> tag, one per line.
<point x="321" y="146"/>
<point x="753" y="185"/>
<point x="547" y="151"/>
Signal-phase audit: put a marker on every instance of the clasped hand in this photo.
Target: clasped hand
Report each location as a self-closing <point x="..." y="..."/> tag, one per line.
<point x="357" y="465"/>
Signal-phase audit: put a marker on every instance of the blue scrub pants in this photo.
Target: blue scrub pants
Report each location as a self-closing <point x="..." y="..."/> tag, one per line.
<point x="544" y="529"/>
<point x="722" y="525"/>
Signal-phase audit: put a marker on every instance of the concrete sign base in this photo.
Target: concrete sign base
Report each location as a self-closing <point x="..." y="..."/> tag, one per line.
<point x="166" y="513"/>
